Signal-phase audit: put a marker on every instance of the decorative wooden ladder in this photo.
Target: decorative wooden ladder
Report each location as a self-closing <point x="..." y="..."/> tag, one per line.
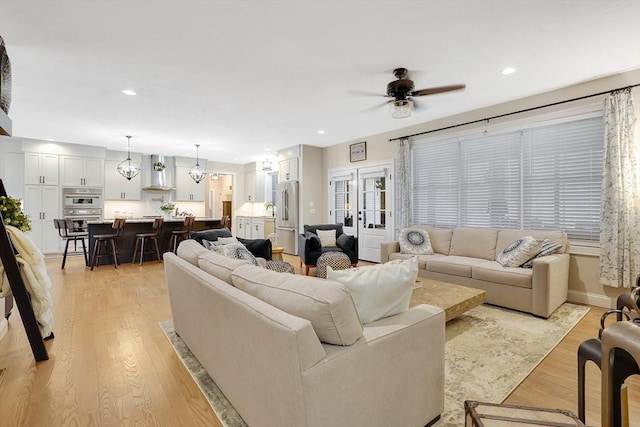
<point x="8" y="257"/>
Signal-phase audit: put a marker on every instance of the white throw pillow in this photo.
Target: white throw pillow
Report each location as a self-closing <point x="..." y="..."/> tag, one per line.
<point x="381" y="290"/>
<point x="234" y="250"/>
<point x="415" y="241"/>
<point x="327" y="237"/>
<point x="519" y="251"/>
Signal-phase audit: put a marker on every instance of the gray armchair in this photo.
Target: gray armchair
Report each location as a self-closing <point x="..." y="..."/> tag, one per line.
<point x="310" y="248"/>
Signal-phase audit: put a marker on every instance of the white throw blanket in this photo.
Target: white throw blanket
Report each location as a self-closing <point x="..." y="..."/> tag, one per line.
<point x="35" y="277"/>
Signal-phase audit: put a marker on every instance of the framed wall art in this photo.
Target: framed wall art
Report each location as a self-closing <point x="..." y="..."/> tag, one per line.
<point x="358" y="151"/>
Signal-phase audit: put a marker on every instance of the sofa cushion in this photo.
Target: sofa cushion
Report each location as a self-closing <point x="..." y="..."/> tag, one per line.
<point x="492" y="271"/>
<point x="422" y="259"/>
<point x="325" y="303"/>
<point x="519" y="251"/>
<point x="219" y="266"/>
<point x="506" y="237"/>
<point x="454" y="265"/>
<point x="210" y="235"/>
<point x="415" y="241"/>
<point x="474" y="243"/>
<point x="189" y="250"/>
<point x="381" y="290"/>
<point x="440" y="239"/>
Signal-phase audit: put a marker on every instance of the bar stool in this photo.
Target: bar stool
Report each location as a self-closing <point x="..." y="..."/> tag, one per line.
<point x="625" y="367"/>
<point x="65" y="231"/>
<point x="118" y="225"/>
<point x="178" y="235"/>
<point x="140" y="238"/>
<point x="225" y="221"/>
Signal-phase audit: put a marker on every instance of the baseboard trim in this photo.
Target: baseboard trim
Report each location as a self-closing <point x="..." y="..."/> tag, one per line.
<point x="591" y="299"/>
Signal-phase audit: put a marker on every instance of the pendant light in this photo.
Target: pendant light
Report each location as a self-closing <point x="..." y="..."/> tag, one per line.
<point x="196" y="172"/>
<point x="128" y="168"/>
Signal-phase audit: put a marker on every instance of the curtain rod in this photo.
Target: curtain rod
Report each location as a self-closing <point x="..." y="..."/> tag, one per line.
<point x="514" y="112"/>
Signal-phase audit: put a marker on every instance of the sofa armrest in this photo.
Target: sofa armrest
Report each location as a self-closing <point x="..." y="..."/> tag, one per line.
<point x="406" y="353"/>
<point x="388" y="248"/>
<point x="550" y="283"/>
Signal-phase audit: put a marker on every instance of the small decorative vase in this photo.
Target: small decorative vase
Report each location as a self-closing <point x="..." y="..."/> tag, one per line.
<point x="167" y="215"/>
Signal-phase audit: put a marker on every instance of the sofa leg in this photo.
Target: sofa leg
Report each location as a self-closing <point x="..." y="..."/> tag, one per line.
<point x="306" y="270"/>
<point x="433" y="421"/>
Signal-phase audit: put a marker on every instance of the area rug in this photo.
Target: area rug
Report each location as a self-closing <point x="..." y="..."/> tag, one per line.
<point x="488" y="352"/>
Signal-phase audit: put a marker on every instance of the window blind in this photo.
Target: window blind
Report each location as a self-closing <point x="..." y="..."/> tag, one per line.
<point x="435" y="183"/>
<point x="563" y="178"/>
<point x="545" y="177"/>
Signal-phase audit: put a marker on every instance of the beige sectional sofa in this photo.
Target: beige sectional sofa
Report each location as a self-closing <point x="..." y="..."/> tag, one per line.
<point x="272" y="365"/>
<point x="466" y="256"/>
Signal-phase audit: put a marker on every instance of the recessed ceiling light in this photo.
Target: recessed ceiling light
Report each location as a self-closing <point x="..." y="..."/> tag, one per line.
<point x="320" y="132"/>
<point x="129" y="92"/>
<point x="508" y="70"/>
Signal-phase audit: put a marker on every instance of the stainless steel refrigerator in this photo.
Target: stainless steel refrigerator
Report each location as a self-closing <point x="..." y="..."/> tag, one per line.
<point x="287" y="216"/>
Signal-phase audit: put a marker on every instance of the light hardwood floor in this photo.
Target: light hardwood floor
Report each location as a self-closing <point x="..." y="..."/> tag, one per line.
<point x="111" y="365"/>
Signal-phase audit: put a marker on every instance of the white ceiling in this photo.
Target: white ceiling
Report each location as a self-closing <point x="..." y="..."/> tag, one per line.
<point x="243" y="77"/>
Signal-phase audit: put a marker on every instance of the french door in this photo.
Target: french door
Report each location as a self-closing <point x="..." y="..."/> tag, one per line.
<point x="375" y="204"/>
<point x="343" y="200"/>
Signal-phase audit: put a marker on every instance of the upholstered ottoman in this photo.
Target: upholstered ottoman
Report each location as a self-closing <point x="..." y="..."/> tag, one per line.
<point x="337" y="261"/>
<point x="280" y="267"/>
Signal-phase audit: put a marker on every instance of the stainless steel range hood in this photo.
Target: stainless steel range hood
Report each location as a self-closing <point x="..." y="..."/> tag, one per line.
<point x="158" y="178"/>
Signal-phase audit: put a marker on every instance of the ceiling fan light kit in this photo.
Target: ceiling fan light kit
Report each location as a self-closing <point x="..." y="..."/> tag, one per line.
<point x="403" y="90"/>
<point x="128" y="168"/>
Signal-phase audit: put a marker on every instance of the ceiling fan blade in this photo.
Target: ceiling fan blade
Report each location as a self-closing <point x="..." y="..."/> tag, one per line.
<point x="354" y="92"/>
<point x="434" y="90"/>
<point x="375" y="107"/>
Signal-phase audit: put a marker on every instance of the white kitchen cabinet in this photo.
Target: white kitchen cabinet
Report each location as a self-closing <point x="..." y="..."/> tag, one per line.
<point x="187" y="190"/>
<point x="240" y="228"/>
<point x="40" y="169"/>
<point x="117" y="187"/>
<point x="257" y="228"/>
<point x="288" y="170"/>
<point x="254" y="186"/>
<point x="42" y="205"/>
<point x="81" y="171"/>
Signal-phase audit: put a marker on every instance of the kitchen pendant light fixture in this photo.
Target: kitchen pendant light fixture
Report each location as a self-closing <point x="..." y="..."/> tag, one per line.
<point x="267" y="165"/>
<point x="196" y="172"/>
<point x="128" y="168"/>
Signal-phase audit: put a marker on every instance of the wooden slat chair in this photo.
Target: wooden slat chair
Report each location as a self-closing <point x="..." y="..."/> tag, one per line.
<point x="179" y="235"/>
<point x="152" y="237"/>
<point x="65" y="231"/>
<point x="100" y="239"/>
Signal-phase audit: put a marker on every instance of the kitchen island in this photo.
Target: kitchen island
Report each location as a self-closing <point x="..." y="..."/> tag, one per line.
<point x="126" y="243"/>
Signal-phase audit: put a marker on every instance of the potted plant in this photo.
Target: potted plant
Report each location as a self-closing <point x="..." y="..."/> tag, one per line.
<point x="11" y="210"/>
<point x="167" y="208"/>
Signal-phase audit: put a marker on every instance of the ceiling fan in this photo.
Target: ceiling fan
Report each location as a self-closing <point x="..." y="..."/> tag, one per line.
<point x="403" y="91"/>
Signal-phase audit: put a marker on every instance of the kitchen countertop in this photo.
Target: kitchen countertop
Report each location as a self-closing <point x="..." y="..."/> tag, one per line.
<point x="150" y="220"/>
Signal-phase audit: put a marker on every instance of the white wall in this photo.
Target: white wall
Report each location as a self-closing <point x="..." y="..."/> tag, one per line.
<point x="584" y="284"/>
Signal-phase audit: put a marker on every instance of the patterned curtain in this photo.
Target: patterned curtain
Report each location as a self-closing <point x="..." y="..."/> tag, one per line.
<point x="403" y="185"/>
<point x="620" y="229"/>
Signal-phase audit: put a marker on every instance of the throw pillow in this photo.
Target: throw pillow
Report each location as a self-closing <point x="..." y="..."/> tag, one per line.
<point x="227" y="240"/>
<point x="519" y="251"/>
<point x="235" y="250"/>
<point x="548" y="248"/>
<point x="381" y="290"/>
<point x="345" y="241"/>
<point x="209" y="244"/>
<point x="415" y="241"/>
<point x="258" y="247"/>
<point x="313" y="240"/>
<point x="211" y="235"/>
<point x="327" y="237"/>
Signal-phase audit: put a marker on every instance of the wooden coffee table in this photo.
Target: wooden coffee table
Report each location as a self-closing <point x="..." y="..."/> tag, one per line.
<point x="453" y="299"/>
